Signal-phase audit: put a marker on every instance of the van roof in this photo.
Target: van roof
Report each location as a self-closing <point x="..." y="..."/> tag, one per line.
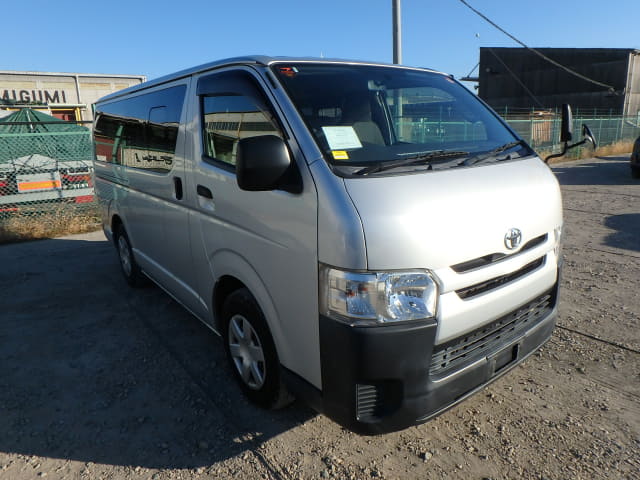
<point x="246" y="60"/>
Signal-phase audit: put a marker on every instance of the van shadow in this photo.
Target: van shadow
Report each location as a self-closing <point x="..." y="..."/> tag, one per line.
<point x="627" y="234"/>
<point x="607" y="171"/>
<point x="94" y="371"/>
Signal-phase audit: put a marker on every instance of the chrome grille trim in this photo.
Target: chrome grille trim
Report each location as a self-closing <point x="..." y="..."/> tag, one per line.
<point x="488" y="285"/>
<point x="491" y="258"/>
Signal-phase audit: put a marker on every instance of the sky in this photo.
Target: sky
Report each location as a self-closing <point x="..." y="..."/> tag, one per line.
<point x="155" y="38"/>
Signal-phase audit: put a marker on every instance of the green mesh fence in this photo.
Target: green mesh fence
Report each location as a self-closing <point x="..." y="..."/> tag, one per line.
<point x="44" y="165"/>
<point x="540" y="130"/>
<point x="543" y="132"/>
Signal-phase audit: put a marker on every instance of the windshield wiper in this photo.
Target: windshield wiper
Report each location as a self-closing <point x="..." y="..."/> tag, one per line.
<point x="427" y="158"/>
<point x="479" y="157"/>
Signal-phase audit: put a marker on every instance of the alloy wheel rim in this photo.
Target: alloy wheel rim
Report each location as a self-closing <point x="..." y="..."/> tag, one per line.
<point x="246" y="352"/>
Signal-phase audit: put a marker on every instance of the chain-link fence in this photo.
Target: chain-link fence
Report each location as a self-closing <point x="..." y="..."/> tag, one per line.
<point x="45" y="174"/>
<point x="541" y="129"/>
<point x="40" y="170"/>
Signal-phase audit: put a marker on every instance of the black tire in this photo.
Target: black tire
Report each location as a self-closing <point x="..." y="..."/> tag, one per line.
<point x="128" y="265"/>
<point x="251" y="352"/>
<point x="635" y="172"/>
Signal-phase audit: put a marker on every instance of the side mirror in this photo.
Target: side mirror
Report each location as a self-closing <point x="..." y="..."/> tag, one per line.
<point x="261" y="163"/>
<point x="566" y="127"/>
<point x="588" y="136"/>
<point x="566" y="134"/>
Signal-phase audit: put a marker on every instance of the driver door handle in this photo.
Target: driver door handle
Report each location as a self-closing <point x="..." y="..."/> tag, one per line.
<point x="204" y="192"/>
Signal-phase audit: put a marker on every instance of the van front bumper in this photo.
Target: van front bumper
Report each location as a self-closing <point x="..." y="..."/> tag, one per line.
<point x="382" y="379"/>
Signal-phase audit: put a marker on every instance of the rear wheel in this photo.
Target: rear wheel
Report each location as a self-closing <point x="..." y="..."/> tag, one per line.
<point x="130" y="268"/>
<point x="251" y="351"/>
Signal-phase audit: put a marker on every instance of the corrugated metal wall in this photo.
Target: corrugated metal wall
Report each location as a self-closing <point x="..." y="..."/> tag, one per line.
<point x="518" y="78"/>
<point x="633" y="84"/>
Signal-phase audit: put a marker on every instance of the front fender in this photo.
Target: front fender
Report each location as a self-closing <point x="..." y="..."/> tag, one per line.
<point x="229" y="263"/>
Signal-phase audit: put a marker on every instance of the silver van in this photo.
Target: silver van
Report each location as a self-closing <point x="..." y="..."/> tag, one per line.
<point x="370" y="238"/>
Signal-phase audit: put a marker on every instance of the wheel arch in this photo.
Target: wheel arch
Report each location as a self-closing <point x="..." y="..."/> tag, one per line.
<point x="233" y="272"/>
<point x="116" y="222"/>
<point x="225" y="286"/>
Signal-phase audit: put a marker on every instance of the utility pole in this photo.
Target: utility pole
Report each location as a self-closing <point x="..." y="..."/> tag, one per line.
<point x="397" y="59"/>
<point x="397" y="32"/>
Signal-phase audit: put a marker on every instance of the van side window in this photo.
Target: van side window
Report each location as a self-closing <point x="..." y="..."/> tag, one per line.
<point x="142" y="131"/>
<point x="228" y="118"/>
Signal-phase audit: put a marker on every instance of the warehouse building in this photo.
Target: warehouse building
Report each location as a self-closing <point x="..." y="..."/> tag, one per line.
<point x="518" y="78"/>
<point x="67" y="96"/>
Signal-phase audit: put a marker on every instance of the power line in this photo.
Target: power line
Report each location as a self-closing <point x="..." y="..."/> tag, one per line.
<point x="540" y="54"/>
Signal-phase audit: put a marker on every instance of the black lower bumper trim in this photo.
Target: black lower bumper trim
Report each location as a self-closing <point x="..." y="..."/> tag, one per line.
<point x="377" y="379"/>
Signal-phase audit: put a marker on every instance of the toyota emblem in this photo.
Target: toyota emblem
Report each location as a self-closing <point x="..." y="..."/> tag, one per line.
<point x="513" y="238"/>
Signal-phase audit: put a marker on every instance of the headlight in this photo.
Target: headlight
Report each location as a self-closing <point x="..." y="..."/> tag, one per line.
<point x="557" y="237"/>
<point x="377" y="297"/>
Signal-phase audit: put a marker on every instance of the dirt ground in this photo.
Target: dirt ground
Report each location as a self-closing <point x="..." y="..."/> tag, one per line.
<point x="99" y="381"/>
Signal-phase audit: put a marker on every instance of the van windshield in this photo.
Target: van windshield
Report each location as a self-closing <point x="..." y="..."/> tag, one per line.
<point x="370" y="119"/>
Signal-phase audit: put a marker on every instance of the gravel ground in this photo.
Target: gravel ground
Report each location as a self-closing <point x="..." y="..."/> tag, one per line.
<point x="98" y="381"/>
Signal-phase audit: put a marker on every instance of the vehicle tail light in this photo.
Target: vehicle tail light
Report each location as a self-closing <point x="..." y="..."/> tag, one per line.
<point x="76" y="178"/>
<point x="72" y="181"/>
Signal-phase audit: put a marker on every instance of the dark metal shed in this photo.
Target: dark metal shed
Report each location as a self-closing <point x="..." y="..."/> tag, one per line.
<point x="518" y="78"/>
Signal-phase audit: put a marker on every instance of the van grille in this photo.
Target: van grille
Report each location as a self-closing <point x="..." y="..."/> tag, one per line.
<point x="482" y="287"/>
<point x="496" y="257"/>
<point x="463" y="351"/>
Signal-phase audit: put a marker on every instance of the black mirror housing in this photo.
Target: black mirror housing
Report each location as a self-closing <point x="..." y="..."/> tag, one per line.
<point x="588" y="136"/>
<point x="566" y="134"/>
<point x="566" y="128"/>
<point x="262" y="163"/>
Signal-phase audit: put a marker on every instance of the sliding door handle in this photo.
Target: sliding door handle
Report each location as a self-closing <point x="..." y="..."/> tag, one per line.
<point x="177" y="185"/>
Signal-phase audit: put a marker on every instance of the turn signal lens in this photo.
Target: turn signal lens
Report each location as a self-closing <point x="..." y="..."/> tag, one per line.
<point x="557" y="237"/>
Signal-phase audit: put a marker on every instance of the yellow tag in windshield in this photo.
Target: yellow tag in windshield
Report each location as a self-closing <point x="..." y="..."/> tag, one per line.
<point x="340" y="155"/>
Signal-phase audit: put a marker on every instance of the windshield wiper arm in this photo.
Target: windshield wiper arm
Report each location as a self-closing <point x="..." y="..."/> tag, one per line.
<point x="479" y="157"/>
<point x="423" y="158"/>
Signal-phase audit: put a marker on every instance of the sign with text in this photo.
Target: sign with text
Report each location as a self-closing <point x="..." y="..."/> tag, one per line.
<point x="33" y="96"/>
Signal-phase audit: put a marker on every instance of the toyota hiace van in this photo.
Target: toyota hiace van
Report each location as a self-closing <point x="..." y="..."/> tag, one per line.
<point x="370" y="238"/>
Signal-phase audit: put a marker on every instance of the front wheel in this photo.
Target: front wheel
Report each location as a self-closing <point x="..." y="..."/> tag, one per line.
<point x="251" y="351"/>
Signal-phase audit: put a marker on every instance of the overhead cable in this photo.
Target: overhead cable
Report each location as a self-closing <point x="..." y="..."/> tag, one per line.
<point x="540" y="54"/>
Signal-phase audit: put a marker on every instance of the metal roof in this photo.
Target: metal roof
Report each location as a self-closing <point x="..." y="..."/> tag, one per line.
<point x="71" y="74"/>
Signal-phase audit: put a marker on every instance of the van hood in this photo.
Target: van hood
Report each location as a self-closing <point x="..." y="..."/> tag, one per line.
<point x="436" y="219"/>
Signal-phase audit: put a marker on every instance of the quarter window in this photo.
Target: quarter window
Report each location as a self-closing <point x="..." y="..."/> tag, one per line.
<point x="142" y="131"/>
